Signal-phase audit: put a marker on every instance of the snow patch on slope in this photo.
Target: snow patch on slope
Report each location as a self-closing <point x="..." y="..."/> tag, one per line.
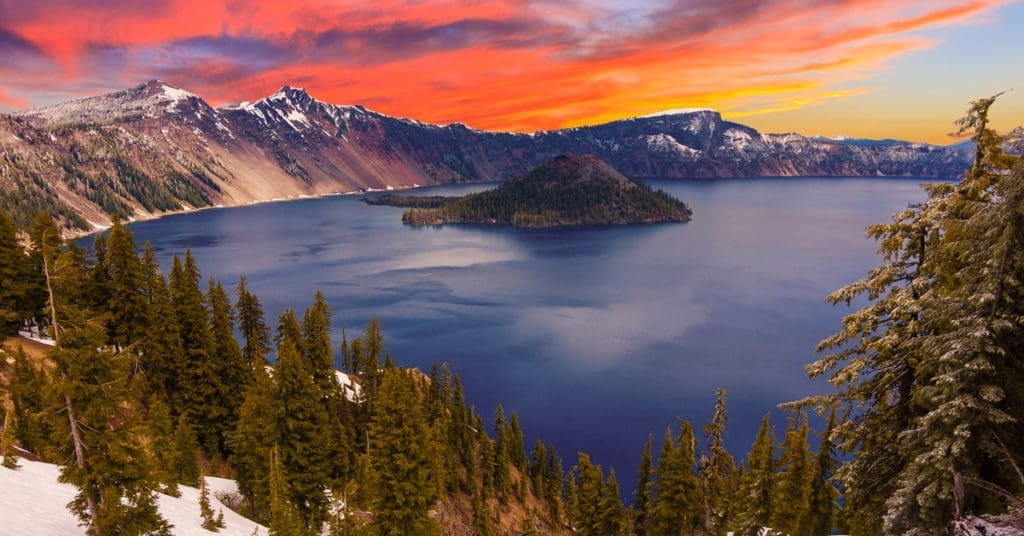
<point x="32" y="501"/>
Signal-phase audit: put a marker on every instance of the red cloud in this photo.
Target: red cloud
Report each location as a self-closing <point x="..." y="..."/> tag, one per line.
<point x="511" y="65"/>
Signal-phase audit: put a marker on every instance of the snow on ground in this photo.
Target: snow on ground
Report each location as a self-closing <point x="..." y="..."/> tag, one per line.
<point x="350" y="387"/>
<point x="32" y="501"/>
<point x="34" y="335"/>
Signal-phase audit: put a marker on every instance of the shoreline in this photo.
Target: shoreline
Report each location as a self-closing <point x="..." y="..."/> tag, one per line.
<point x="190" y="210"/>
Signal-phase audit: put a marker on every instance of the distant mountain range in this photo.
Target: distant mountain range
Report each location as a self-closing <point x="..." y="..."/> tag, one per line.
<point x="156" y="148"/>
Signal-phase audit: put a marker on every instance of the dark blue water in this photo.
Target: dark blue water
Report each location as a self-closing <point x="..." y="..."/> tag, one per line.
<point x="595" y="336"/>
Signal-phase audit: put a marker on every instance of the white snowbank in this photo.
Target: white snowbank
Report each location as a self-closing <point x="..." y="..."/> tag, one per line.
<point x="32" y="501"/>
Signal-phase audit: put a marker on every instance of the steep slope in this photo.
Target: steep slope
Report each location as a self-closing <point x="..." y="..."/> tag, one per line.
<point x="156" y="148"/>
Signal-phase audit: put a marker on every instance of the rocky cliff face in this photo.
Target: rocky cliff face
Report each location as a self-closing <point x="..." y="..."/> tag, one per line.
<point x="155" y="148"/>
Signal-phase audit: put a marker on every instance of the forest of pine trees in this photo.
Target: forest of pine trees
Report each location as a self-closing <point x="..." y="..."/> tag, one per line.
<point x="147" y="389"/>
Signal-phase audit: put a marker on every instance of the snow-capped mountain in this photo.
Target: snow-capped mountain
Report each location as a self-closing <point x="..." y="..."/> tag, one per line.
<point x="157" y="148"/>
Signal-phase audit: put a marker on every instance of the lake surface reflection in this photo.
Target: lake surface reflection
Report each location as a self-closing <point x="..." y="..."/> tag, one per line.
<point x="595" y="336"/>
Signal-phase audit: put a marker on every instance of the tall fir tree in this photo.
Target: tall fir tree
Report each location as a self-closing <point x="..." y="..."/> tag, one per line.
<point x="928" y="362"/>
<point x="200" y="387"/>
<point x="256" y="435"/>
<point x="793" y="477"/>
<point x="716" y="469"/>
<point x="16" y="286"/>
<point x="93" y="414"/>
<point x="822" y="504"/>
<point x="400" y="453"/>
<point x="678" y="506"/>
<point x="757" y="490"/>
<point x="252" y="325"/>
<point x="305" y="434"/>
<point x="186" y="453"/>
<point x="162" y="357"/>
<point x="228" y="363"/>
<point x="125" y="301"/>
<point x="319" y="353"/>
<point x="285" y="518"/>
<point x="642" y="493"/>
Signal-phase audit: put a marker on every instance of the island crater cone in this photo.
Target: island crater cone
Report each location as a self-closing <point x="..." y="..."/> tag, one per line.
<point x="566" y="190"/>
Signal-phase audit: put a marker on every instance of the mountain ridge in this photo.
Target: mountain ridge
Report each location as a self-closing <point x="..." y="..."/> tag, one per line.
<point x="155" y="148"/>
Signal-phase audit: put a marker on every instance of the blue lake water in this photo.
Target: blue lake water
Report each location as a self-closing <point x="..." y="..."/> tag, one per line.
<point x="595" y="336"/>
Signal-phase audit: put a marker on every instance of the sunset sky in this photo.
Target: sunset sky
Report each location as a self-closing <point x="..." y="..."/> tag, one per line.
<point x="865" y="68"/>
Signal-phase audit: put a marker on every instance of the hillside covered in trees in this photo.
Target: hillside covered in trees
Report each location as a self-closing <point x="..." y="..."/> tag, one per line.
<point x="564" y="191"/>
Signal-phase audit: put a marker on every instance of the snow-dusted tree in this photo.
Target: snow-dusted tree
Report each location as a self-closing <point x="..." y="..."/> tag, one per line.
<point x="757" y="490"/>
<point x="929" y="368"/>
<point x="716" y="468"/>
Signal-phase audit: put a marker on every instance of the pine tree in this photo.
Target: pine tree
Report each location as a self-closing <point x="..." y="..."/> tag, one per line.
<point x="716" y="470"/>
<point x="319" y="353"/>
<point x="210" y="521"/>
<point x="678" y="505"/>
<point x="613" y="517"/>
<point x="257" y="434"/>
<point x="7" y="441"/>
<point x="589" y="490"/>
<point x="304" y="434"/>
<point x="822" y="506"/>
<point x="642" y="494"/>
<point x="757" y="491"/>
<point x="162" y="436"/>
<point x="15" y="279"/>
<point x="538" y="461"/>
<point x="199" y="384"/>
<point x="125" y="302"/>
<point x="27" y="386"/>
<point x="162" y="356"/>
<point x="251" y="323"/>
<point x="928" y="362"/>
<point x="502" y="475"/>
<point x="793" y="482"/>
<point x="285" y="519"/>
<point x="227" y="362"/>
<point x="186" y="448"/>
<point x="401" y="448"/>
<point x="93" y="412"/>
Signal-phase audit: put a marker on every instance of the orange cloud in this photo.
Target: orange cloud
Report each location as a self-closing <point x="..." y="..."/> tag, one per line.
<point x="511" y="65"/>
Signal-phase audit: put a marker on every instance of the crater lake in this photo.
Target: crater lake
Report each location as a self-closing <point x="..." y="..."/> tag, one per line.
<point x="595" y="336"/>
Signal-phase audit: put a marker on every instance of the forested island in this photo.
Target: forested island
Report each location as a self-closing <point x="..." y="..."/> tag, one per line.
<point x="567" y="190"/>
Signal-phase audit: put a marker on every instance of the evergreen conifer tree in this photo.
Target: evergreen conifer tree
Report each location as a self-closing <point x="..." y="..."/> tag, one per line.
<point x="793" y="483"/>
<point x="927" y="363"/>
<point x="7" y="440"/>
<point x="285" y="519"/>
<point x="401" y="448"/>
<point x="16" y="285"/>
<point x="717" y="466"/>
<point x="822" y="505"/>
<point x="162" y="438"/>
<point x="199" y="384"/>
<point x="305" y="434"/>
<point x="757" y="491"/>
<point x="251" y="323"/>
<point x="642" y="494"/>
<point x="228" y="363"/>
<point x="186" y="448"/>
<point x="93" y="413"/>
<point x="257" y="434"/>
<point x="678" y="506"/>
